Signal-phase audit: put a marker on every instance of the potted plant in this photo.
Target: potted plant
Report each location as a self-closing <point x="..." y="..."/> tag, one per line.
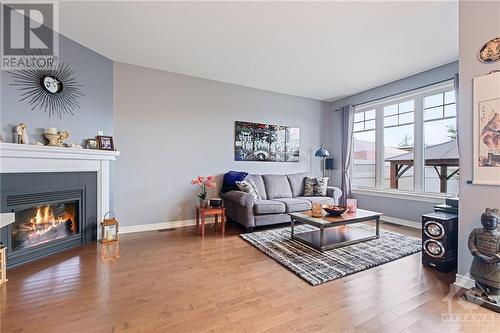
<point x="204" y="184"/>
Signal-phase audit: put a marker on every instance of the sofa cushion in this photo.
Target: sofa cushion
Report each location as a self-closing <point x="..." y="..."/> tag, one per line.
<point x="321" y="200"/>
<point x="296" y="181"/>
<point x="259" y="183"/>
<point x="295" y="204"/>
<point x="230" y="179"/>
<point x="268" y="207"/>
<point x="277" y="186"/>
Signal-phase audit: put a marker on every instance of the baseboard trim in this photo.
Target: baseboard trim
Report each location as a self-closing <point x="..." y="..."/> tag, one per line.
<point x="464" y="281"/>
<point x="403" y="222"/>
<point x="186" y="223"/>
<point x="156" y="226"/>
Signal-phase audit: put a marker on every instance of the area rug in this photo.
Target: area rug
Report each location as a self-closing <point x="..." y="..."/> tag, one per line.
<point x="317" y="267"/>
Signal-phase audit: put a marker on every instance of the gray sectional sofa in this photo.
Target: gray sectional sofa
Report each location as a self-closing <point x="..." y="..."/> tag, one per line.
<point x="281" y="194"/>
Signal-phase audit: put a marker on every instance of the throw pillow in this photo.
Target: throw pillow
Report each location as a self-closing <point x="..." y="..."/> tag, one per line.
<point x="320" y="187"/>
<point x="230" y="179"/>
<point x="248" y="186"/>
<point x="315" y="186"/>
<point x="309" y="186"/>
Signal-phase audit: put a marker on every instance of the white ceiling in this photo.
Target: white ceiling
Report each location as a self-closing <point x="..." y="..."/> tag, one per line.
<point x="320" y="50"/>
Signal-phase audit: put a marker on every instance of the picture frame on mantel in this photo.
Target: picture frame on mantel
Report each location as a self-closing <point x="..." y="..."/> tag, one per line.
<point x="486" y="122"/>
<point x="105" y="142"/>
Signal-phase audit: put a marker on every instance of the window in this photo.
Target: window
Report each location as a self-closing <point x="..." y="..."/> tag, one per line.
<point x="398" y="144"/>
<point x="364" y="148"/>
<point x="408" y="142"/>
<point x="440" y="134"/>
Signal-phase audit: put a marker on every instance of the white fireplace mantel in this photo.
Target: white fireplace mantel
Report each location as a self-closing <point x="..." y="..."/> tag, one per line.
<point x="18" y="158"/>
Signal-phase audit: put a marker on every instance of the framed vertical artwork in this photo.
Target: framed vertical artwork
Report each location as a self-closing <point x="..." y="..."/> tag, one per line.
<point x="263" y="142"/>
<point x="486" y="139"/>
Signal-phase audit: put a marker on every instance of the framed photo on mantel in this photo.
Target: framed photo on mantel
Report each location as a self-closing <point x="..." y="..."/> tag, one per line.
<point x="486" y="138"/>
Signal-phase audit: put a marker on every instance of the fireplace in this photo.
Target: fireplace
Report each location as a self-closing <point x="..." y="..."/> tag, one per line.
<point x="53" y="212"/>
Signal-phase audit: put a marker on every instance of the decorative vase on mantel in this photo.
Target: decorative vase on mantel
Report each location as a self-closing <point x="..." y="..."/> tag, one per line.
<point x="203" y="203"/>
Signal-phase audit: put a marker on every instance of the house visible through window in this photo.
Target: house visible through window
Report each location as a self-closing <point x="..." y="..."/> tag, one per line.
<point x="408" y="142"/>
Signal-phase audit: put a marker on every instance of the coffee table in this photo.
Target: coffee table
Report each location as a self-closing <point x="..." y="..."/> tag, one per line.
<point x="333" y="231"/>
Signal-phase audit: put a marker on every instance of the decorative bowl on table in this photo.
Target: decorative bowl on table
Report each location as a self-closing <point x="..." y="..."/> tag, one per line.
<point x="335" y="210"/>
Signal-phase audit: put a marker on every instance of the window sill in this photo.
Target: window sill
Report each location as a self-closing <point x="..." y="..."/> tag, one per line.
<point x="435" y="198"/>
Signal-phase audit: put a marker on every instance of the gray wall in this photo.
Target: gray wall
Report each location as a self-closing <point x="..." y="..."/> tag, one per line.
<point x="479" y="22"/>
<point x="93" y="71"/>
<point x="403" y="209"/>
<point x="172" y="128"/>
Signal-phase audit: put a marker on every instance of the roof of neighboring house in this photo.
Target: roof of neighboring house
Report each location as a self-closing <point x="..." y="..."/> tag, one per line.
<point x="442" y="151"/>
<point x="369" y="146"/>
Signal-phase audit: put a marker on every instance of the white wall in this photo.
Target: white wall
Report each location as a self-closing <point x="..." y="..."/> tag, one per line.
<point x="171" y="128"/>
<point x="479" y="22"/>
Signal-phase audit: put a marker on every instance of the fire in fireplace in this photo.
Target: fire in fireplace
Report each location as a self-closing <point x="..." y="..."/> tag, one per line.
<point x="44" y="223"/>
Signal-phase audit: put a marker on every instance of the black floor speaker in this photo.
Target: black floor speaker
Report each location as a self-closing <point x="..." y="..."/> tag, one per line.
<point x="439" y="241"/>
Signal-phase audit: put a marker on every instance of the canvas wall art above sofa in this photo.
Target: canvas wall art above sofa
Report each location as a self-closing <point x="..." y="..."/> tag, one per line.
<point x="280" y="195"/>
<point x="264" y="142"/>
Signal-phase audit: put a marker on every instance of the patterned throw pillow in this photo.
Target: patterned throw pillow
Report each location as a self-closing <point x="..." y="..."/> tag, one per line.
<point x="315" y="186"/>
<point x="248" y="186"/>
<point x="320" y="188"/>
<point x="309" y="186"/>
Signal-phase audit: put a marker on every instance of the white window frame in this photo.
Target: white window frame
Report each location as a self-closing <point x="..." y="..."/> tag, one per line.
<point x="418" y="193"/>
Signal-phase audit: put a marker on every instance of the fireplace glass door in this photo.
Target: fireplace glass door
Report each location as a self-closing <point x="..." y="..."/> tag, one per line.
<point x="44" y="223"/>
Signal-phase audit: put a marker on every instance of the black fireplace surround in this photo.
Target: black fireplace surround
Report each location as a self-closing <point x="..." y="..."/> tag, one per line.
<point x="54" y="212"/>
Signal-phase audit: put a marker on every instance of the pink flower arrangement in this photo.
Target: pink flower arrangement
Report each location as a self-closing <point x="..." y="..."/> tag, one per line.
<point x="204" y="184"/>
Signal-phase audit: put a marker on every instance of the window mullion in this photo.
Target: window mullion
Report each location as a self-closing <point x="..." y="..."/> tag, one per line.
<point x="418" y="155"/>
<point x="379" y="153"/>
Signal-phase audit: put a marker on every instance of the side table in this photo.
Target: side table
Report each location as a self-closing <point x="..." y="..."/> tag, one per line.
<point x="216" y="212"/>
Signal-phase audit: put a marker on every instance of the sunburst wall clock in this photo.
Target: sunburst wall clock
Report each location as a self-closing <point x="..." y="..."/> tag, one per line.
<point x="55" y="91"/>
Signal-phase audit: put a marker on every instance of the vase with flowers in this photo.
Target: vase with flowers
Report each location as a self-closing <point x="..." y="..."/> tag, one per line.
<point x="204" y="183"/>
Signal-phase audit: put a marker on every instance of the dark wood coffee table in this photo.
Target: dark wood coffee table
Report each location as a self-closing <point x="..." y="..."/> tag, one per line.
<point x="333" y="231"/>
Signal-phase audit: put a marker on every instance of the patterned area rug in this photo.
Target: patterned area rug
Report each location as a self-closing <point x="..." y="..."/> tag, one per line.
<point x="319" y="267"/>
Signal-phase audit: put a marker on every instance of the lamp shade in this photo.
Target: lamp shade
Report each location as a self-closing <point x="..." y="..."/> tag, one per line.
<point x="322" y="152"/>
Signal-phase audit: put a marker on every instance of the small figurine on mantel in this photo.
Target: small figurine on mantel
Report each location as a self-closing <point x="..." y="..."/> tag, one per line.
<point x="484" y="245"/>
<point x="22" y="134"/>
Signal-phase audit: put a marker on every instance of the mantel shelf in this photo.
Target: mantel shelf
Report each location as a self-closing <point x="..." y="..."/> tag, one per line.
<point x="48" y="152"/>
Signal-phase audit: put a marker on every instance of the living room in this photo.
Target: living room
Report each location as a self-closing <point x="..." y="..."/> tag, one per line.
<point x="249" y="166"/>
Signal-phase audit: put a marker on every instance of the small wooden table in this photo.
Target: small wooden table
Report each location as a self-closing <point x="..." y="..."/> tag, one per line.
<point x="216" y="212"/>
<point x="332" y="231"/>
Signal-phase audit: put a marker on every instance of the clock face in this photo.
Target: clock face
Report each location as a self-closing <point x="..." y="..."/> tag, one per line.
<point x="52" y="84"/>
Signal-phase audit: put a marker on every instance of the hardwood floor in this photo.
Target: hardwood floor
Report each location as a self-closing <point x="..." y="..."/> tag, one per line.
<point x="174" y="281"/>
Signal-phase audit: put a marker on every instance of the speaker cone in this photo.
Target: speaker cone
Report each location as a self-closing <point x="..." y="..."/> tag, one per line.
<point x="434" y="230"/>
<point x="433" y="248"/>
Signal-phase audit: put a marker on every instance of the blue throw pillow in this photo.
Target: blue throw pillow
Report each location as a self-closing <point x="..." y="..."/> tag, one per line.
<point x="230" y="179"/>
